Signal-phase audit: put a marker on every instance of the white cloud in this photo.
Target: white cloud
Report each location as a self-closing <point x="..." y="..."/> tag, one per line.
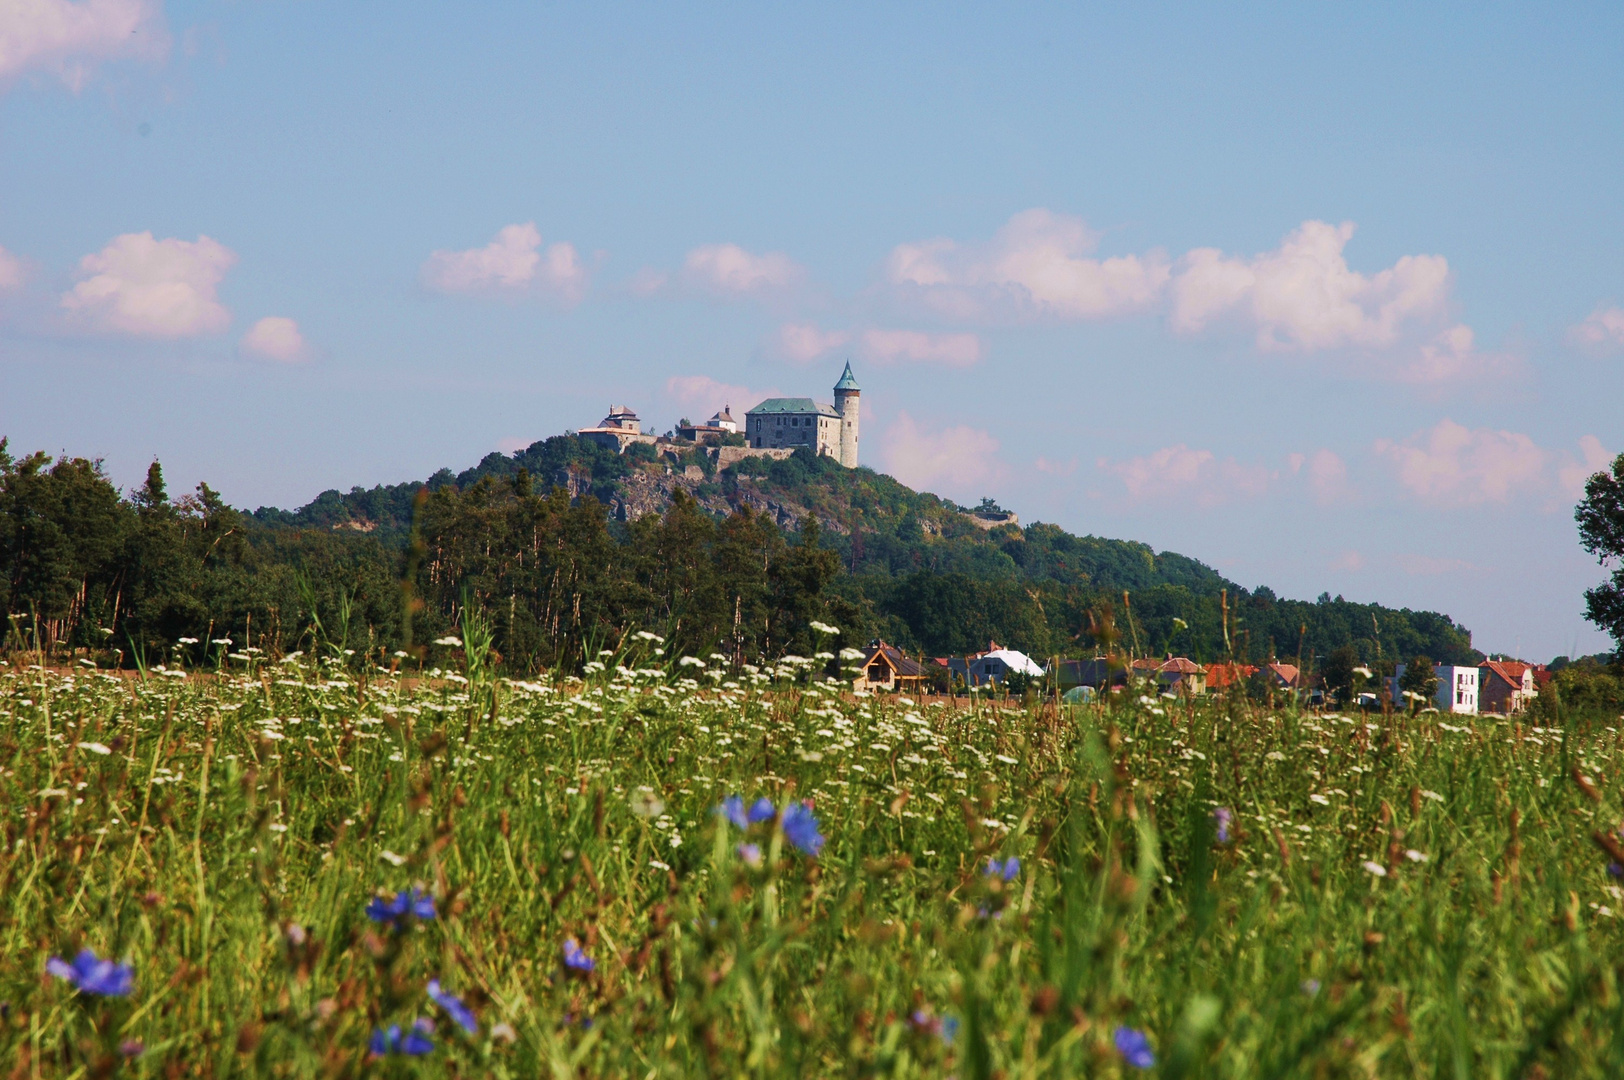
<point x="1327" y="475"/>
<point x="956" y="459"/>
<point x="1452" y="357"/>
<point x="510" y="263"/>
<point x="153" y="288"/>
<point x="1572" y="473"/>
<point x="1603" y="329"/>
<point x="275" y="338"/>
<point x="12" y="271"/>
<point x="1451" y="465"/>
<point x="889" y="346"/>
<point x="1456" y="465"/>
<point x="1038" y="264"/>
<point x="1178" y="471"/>
<point x="730" y="270"/>
<point x="706" y="395"/>
<point x="804" y="342"/>
<point x="1303" y="295"/>
<point x="68" y="39"/>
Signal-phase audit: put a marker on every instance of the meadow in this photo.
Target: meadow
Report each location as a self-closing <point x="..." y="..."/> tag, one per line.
<point x="317" y="866"/>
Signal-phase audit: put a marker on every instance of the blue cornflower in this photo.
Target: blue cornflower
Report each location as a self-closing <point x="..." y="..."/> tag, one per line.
<point x="732" y="808"/>
<point x="454" y="1007"/>
<point x="574" y="958"/>
<point x="801" y="827"/>
<point x="386" y="1041"/>
<point x="950" y="1028"/>
<point x="1004" y="871"/>
<point x="1134" y="1047"/>
<point x="1615" y="870"/>
<point x="1222" y="818"/>
<point x="414" y="902"/>
<point x="102" y="978"/>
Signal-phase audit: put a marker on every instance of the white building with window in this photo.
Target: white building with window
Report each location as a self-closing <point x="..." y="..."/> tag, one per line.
<point x="1457" y="688"/>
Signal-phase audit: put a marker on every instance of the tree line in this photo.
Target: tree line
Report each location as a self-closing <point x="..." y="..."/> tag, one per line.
<point x="83" y="566"/>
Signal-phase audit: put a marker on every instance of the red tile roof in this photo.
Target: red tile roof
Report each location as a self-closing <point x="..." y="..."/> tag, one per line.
<point x="1220" y="676"/>
<point x="1509" y="670"/>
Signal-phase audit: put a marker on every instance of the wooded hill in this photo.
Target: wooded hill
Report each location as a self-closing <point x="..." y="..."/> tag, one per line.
<point x="567" y="549"/>
<point x="918" y="571"/>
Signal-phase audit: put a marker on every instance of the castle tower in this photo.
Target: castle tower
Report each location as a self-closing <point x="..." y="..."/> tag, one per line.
<point x="846" y="394"/>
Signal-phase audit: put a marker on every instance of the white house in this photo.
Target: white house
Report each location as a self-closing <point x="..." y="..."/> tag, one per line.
<point x="1457" y="688"/>
<point x="993" y="667"/>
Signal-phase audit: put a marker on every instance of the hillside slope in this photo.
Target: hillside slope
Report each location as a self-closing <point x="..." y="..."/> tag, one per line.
<point x="921" y="573"/>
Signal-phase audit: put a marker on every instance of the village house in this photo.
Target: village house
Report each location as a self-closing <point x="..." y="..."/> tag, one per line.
<point x="885" y="667"/>
<point x="1097" y="673"/>
<point x="1178" y="674"/>
<point x="1222" y="676"/>
<point x="1457" y="688"/>
<point x="995" y="665"/>
<point x="1505" y="686"/>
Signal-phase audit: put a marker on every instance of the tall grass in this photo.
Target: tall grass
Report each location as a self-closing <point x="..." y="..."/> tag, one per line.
<point x="1392" y="896"/>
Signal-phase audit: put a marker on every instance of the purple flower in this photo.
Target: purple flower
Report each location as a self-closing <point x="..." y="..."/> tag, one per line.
<point x="1134" y="1047"/>
<point x="386" y="1041"/>
<point x="1615" y="870"/>
<point x="732" y="808"/>
<point x="574" y="958"/>
<point x="103" y="978"/>
<point x="413" y="902"/>
<point x="454" y="1007"/>
<point x="749" y="853"/>
<point x="1222" y="817"/>
<point x="943" y="1028"/>
<point x="1007" y="870"/>
<point x="801" y="827"/>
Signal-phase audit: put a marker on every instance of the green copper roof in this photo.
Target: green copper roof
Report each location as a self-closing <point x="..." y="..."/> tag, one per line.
<point x="791" y="405"/>
<point x="846" y="381"/>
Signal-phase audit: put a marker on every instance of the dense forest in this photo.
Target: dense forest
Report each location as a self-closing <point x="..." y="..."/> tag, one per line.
<point x="553" y="548"/>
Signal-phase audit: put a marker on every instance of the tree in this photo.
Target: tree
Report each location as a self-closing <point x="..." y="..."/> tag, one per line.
<point x="1339" y="673"/>
<point x="1419" y="678"/>
<point x="1601" y="530"/>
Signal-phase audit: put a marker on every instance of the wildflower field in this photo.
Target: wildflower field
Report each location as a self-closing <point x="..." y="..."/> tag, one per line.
<point x="310" y="868"/>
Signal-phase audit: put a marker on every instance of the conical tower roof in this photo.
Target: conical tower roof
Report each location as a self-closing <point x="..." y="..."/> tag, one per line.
<point x="846" y="381"/>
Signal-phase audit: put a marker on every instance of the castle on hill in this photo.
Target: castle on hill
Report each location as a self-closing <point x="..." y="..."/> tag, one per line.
<point x="775" y="428"/>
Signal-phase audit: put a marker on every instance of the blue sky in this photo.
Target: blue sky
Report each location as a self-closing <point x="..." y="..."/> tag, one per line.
<point x="1330" y="298"/>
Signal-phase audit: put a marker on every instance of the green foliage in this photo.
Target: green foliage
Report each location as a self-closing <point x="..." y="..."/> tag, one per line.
<point x="1447" y="913"/>
<point x="1601" y="531"/>
<point x="1586" y="688"/>
<point x="1421" y="679"/>
<point x="560" y="579"/>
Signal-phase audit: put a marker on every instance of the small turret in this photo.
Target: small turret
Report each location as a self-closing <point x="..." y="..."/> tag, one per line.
<point x="847" y="393"/>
